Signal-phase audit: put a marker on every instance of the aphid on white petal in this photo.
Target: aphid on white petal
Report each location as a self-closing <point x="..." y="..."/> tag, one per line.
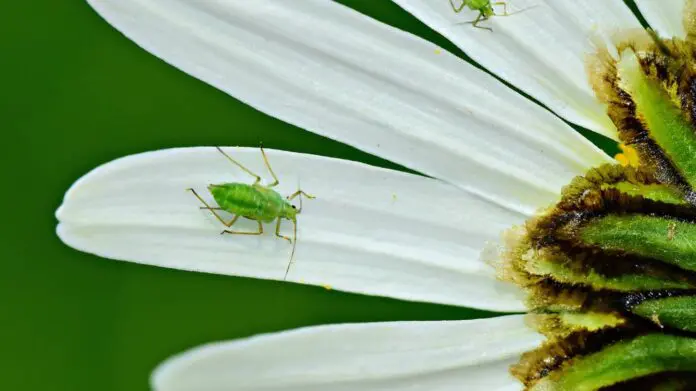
<point x="485" y="9"/>
<point x="254" y="202"/>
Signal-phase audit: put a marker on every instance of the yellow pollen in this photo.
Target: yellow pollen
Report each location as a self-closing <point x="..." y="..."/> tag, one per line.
<point x="327" y="287"/>
<point x="628" y="156"/>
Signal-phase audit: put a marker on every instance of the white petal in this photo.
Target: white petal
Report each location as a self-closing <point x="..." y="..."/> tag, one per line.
<point x="332" y="71"/>
<point x="540" y="50"/>
<point x="429" y="356"/>
<point x="369" y="230"/>
<point x="664" y="16"/>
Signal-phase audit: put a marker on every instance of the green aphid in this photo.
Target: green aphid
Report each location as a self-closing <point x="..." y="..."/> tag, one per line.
<point x="484" y="7"/>
<point x="254" y="202"/>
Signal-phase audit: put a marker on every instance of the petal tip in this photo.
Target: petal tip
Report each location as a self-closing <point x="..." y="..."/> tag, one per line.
<point x="165" y="376"/>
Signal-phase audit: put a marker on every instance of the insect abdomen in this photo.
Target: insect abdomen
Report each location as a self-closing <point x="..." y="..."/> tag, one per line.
<point x="246" y="200"/>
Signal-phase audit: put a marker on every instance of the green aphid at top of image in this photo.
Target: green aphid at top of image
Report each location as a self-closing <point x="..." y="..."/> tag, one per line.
<point x="484" y="7"/>
<point x="255" y="202"/>
<point x="485" y="10"/>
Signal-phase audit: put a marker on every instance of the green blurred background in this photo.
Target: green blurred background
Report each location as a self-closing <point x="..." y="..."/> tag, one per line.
<point x="76" y="94"/>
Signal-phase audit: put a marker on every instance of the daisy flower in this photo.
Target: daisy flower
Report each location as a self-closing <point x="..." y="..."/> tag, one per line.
<point x="491" y="158"/>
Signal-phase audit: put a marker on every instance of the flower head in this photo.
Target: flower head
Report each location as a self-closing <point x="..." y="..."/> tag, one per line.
<point x="496" y="157"/>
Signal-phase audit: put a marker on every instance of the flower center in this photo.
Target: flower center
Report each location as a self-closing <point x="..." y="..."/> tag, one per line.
<point x="628" y="156"/>
<point x="610" y="270"/>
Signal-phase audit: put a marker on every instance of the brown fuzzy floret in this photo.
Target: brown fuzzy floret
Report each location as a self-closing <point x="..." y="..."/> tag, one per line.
<point x="555" y="354"/>
<point x="669" y="64"/>
<point x="553" y="236"/>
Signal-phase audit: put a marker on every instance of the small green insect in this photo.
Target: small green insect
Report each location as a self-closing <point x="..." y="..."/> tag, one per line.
<point x="484" y="7"/>
<point x="254" y="202"/>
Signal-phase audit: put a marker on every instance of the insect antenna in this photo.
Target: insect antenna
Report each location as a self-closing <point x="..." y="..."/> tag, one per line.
<point x="525" y="9"/>
<point x="238" y="164"/>
<point x="299" y="188"/>
<point x="294" y="243"/>
<point x="461" y="6"/>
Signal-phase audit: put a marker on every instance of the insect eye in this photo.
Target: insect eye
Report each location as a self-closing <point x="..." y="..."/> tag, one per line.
<point x="293" y="206"/>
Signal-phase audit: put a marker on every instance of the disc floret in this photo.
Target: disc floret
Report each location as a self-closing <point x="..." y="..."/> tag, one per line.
<point x="610" y="270"/>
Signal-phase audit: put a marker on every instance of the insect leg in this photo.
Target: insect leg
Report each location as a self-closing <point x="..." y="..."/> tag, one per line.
<point x="480" y="18"/>
<point x="238" y="164"/>
<point x="461" y="6"/>
<point x="506" y="13"/>
<point x="277" y="232"/>
<point x="295" y="194"/>
<point x="300" y="193"/>
<point x="259" y="232"/>
<point x="504" y="4"/>
<point x="213" y="209"/>
<point x="294" y="243"/>
<point x="268" y="165"/>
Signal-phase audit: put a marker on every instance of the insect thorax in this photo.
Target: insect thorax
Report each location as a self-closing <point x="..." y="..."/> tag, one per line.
<point x="256" y="202"/>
